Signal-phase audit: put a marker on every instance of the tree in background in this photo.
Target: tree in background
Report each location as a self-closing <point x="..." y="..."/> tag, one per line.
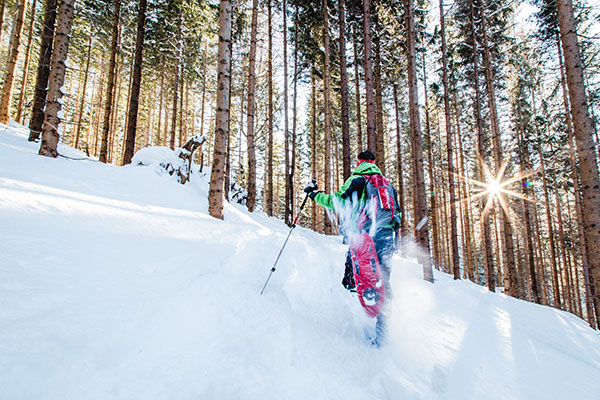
<point x="53" y="113"/>
<point x="11" y="62"/>
<point x="215" y="195"/>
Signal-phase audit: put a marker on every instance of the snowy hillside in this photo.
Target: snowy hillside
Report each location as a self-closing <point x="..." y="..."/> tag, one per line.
<point x="116" y="284"/>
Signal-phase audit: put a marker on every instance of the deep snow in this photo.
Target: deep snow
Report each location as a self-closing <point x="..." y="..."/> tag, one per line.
<point x="116" y="284"/>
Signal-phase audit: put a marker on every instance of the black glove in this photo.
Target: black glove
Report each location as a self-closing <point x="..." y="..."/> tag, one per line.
<point x="313" y="194"/>
<point x="310" y="188"/>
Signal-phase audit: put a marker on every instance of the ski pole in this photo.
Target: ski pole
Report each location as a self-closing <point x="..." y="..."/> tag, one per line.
<point x="308" y="190"/>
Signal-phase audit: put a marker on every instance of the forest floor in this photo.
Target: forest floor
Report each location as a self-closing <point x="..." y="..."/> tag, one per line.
<point x="116" y="284"/>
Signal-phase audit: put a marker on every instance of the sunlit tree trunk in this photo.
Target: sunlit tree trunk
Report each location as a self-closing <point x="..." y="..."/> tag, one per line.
<point x="11" y="62"/>
<point x="135" y="85"/>
<point x="215" y="194"/>
<point x="584" y="130"/>
<point x="52" y="118"/>
<point x="380" y="129"/>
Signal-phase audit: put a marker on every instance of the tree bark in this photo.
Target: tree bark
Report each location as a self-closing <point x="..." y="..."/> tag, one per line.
<point x="41" y="82"/>
<point x="268" y="201"/>
<point x="11" y="62"/>
<point x="584" y="131"/>
<point x="577" y="190"/>
<point x="419" y="198"/>
<point x="135" y="85"/>
<point x="251" y="202"/>
<point x="50" y="136"/>
<point x="215" y="194"/>
<point x="110" y="87"/>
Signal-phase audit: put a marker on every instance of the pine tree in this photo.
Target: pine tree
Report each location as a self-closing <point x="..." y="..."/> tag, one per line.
<point x="135" y="85"/>
<point x="52" y="119"/>
<point x="11" y="62"/>
<point x="216" y="195"/>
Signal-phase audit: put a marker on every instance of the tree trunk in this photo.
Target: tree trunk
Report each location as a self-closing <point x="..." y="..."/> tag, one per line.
<point x="529" y="246"/>
<point x="110" y="87"/>
<point x="215" y="194"/>
<point x="286" y="134"/>
<point x="455" y="264"/>
<point x="82" y="99"/>
<point x="400" y="167"/>
<point x="176" y="86"/>
<point x="584" y="130"/>
<point x="485" y="218"/>
<point x="313" y="143"/>
<point x="21" y="103"/>
<point x="327" y="111"/>
<point x="577" y="191"/>
<point x="250" y="203"/>
<point x="2" y="8"/>
<point x="510" y="273"/>
<point x="357" y="93"/>
<point x="466" y="204"/>
<point x="419" y="198"/>
<point x="11" y="62"/>
<point x="135" y="85"/>
<point x="269" y="181"/>
<point x="41" y="82"/>
<point x="344" y="91"/>
<point x="57" y="78"/>
<point x="555" y="283"/>
<point x="380" y="129"/>
<point x="294" y="117"/>
<point x="370" y="96"/>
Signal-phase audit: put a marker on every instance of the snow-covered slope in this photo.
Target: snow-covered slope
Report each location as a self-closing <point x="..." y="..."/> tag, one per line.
<point x="116" y="284"/>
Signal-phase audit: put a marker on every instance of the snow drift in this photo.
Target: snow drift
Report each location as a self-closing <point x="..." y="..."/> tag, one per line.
<point x="116" y="284"/>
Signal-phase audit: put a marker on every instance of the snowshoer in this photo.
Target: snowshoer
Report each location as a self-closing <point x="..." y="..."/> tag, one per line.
<point x="358" y="216"/>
